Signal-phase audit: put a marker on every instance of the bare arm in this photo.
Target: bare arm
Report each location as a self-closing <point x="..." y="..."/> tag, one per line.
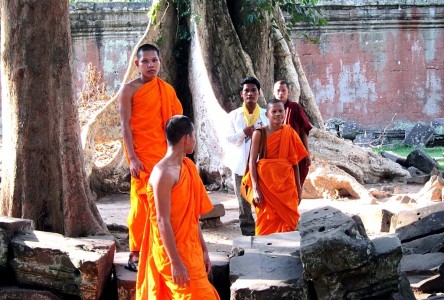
<point x="304" y="139"/>
<point x="162" y="181"/>
<point x="297" y="180"/>
<point x="252" y="165"/>
<point x="125" y="110"/>
<point x="206" y="256"/>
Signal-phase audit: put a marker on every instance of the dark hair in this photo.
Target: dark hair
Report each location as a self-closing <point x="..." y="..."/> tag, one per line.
<point x="273" y="101"/>
<point x="252" y="80"/>
<point x="283" y="82"/>
<point x="176" y="127"/>
<point x="147" y="47"/>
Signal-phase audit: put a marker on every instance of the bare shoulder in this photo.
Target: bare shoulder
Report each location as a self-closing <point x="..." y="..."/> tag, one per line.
<point x="165" y="173"/>
<point x="130" y="88"/>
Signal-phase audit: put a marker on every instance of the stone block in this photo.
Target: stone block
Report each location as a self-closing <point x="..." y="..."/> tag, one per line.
<point x="424" y="245"/>
<point x="376" y="221"/>
<point x="16" y="293"/>
<point x="417" y="223"/>
<point x="268" y="268"/>
<point x="438" y="126"/>
<point x="332" y="241"/>
<point x="75" y="266"/>
<point x="217" y="211"/>
<point x="422" y="264"/>
<point x="125" y="279"/>
<point x="421" y="179"/>
<point x="419" y="159"/>
<point x="394" y="157"/>
<point x="420" y="135"/>
<point x="8" y="227"/>
<point x="378" y="278"/>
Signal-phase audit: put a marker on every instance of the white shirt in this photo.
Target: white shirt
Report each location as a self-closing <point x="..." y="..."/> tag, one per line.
<point x="236" y="154"/>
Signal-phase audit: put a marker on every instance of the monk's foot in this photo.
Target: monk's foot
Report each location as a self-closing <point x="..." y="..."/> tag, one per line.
<point x="133" y="261"/>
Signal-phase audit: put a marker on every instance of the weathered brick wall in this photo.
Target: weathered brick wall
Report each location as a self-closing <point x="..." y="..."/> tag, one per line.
<point x="106" y="34"/>
<point x="377" y="59"/>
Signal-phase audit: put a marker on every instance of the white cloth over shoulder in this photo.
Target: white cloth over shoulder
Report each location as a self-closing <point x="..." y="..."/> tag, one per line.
<point x="238" y="146"/>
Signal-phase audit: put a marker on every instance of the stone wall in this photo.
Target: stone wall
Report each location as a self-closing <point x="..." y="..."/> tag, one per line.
<point x="376" y="59"/>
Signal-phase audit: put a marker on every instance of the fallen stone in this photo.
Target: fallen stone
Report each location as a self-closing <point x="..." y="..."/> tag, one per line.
<point x="378" y="278"/>
<point x="419" y="159"/>
<point x="424" y="245"/>
<point x="80" y="266"/>
<point x="376" y="221"/>
<point x="420" y="135"/>
<point x="17" y="293"/>
<point x="429" y="284"/>
<point x="438" y="126"/>
<point x="379" y="193"/>
<point x="349" y="130"/>
<point x="432" y="190"/>
<point x="8" y="227"/>
<point x="332" y="242"/>
<point x="268" y="268"/>
<point x="406" y="199"/>
<point x="405" y="291"/>
<point x="422" y="264"/>
<point x="417" y="223"/>
<point x="394" y="157"/>
<point x="217" y="211"/>
<point x="125" y="279"/>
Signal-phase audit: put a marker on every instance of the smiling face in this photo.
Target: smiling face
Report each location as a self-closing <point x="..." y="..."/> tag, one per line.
<point x="275" y="113"/>
<point x="250" y="95"/>
<point x="148" y="63"/>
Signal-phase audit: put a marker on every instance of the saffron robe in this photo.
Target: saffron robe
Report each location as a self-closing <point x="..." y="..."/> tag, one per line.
<point x="189" y="200"/>
<point x="297" y="119"/>
<point x="153" y="104"/>
<point x="279" y="210"/>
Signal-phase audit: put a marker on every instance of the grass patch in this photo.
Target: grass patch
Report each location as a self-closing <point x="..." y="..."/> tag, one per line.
<point x="403" y="151"/>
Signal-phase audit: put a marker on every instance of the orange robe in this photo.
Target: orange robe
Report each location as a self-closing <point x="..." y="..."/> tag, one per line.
<point x="188" y="201"/>
<point x="153" y="104"/>
<point x="279" y="212"/>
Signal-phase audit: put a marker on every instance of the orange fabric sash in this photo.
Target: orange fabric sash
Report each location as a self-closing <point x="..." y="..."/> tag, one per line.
<point x="154" y="281"/>
<point x="279" y="212"/>
<point x="153" y="104"/>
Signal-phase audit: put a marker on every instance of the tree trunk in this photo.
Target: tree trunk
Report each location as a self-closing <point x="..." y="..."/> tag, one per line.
<point x="221" y="53"/>
<point x="43" y="177"/>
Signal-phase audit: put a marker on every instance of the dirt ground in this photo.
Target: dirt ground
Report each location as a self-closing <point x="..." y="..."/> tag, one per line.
<point x="114" y="209"/>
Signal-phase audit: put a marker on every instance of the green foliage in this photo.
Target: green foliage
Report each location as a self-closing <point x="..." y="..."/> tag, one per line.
<point x="299" y="11"/>
<point x="403" y="151"/>
<point x="104" y="1"/>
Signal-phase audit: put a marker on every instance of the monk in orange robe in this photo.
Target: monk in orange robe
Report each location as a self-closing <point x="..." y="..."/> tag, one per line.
<point x="174" y="261"/>
<point x="275" y="178"/>
<point x="145" y="105"/>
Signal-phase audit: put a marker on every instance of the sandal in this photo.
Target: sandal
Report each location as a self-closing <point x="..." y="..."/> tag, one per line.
<point x="133" y="263"/>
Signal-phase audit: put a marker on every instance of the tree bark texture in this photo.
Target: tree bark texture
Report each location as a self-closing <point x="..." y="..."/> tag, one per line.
<point x="43" y="177"/>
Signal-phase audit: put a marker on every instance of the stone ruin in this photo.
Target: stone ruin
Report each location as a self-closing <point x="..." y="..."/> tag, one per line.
<point x="333" y="255"/>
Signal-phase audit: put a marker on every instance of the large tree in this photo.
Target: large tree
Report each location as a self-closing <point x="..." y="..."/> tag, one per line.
<point x="207" y="48"/>
<point x="43" y="178"/>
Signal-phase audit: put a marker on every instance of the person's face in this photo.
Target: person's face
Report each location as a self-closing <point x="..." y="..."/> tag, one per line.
<point x="281" y="92"/>
<point x="190" y="143"/>
<point x="275" y="113"/>
<point x="250" y="94"/>
<point x="148" y="64"/>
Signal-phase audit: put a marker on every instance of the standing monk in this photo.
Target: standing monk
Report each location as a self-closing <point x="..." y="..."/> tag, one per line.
<point x="174" y="252"/>
<point x="296" y="118"/>
<point x="275" y="178"/>
<point x="242" y="122"/>
<point x="145" y="105"/>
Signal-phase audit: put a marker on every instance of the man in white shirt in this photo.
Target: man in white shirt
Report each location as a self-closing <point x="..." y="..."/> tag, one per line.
<point x="243" y="121"/>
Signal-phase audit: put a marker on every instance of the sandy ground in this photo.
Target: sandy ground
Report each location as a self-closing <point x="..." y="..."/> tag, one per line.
<point x="114" y="210"/>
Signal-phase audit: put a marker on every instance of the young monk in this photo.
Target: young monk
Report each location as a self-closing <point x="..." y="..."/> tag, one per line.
<point x="296" y="118"/>
<point x="145" y="105"/>
<point x="275" y="178"/>
<point x="174" y="251"/>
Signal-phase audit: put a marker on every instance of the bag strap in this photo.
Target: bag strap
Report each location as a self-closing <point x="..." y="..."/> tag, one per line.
<point x="262" y="148"/>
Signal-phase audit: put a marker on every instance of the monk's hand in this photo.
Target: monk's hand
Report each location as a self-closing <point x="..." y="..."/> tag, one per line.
<point x="135" y="167"/>
<point x="207" y="262"/>
<point x="258" y="198"/>
<point x="248" y="131"/>
<point x="180" y="274"/>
